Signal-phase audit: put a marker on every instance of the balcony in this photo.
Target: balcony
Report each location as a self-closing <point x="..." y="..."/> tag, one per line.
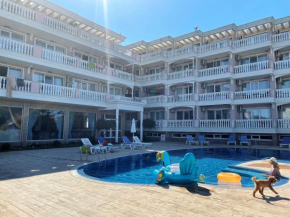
<point x="122" y="75"/>
<point x="251" y="40"/>
<point x="182" y="50"/>
<point x="283" y="93"/>
<point x="181" y="74"/>
<point x="15" y="46"/>
<point x="150" y="56"/>
<point x="59" y="58"/>
<point x="149" y="78"/>
<point x="181" y="98"/>
<point x="252" y="67"/>
<point x="254" y="124"/>
<point x="56" y="91"/>
<point x="180" y="123"/>
<point x="125" y="99"/>
<point x="214" y="96"/>
<point x="285" y="36"/>
<point x="214" y="46"/>
<point x="284" y="64"/>
<point x="223" y="123"/>
<point x="55" y="24"/>
<point x="253" y="94"/>
<point x="213" y="71"/>
<point x="284" y="123"/>
<point x="156" y="99"/>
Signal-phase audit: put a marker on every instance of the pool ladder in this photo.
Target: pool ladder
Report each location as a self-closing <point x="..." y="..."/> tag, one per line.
<point x="103" y="152"/>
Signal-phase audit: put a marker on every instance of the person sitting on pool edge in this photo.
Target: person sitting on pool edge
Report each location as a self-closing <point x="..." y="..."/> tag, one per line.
<point x="275" y="170"/>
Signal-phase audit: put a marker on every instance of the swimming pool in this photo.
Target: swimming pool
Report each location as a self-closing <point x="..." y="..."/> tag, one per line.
<point x="138" y="169"/>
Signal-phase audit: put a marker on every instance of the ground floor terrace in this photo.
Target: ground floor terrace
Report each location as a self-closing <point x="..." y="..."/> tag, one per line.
<point x="41" y="183"/>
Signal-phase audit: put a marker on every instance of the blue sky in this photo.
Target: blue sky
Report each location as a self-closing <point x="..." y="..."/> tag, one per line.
<point x="152" y="19"/>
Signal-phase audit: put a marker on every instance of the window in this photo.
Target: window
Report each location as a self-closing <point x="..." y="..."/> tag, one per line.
<point x="284" y="56"/>
<point x="50" y="46"/>
<point x="254" y="59"/>
<point x="214" y="88"/>
<point x="184" y="115"/>
<point x="137" y="72"/>
<point x="156" y="70"/>
<point x="12" y="35"/>
<point x="84" y="85"/>
<point x="6" y="70"/>
<point x="217" y="63"/>
<point x="256" y="113"/>
<point x="184" y="90"/>
<point x="218" y="114"/>
<point x="286" y="113"/>
<point x="45" y="124"/>
<point x="131" y="115"/>
<point x="86" y="57"/>
<point x="81" y="125"/>
<point x="116" y="66"/>
<point x="158" y="115"/>
<point x="10" y="124"/>
<point x="184" y="67"/>
<point x="116" y="91"/>
<point x="285" y="84"/>
<point x="47" y="79"/>
<point x="256" y="85"/>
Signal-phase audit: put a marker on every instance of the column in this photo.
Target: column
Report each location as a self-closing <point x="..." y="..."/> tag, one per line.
<point x="274" y="115"/>
<point x="108" y="88"/>
<point x="132" y="96"/>
<point x="117" y="126"/>
<point x="141" y="125"/>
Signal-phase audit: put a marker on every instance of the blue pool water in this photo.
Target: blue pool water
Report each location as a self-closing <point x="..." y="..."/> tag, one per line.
<point x="138" y="169"/>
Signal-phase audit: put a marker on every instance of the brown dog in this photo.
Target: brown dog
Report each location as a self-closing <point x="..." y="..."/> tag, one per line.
<point x="261" y="184"/>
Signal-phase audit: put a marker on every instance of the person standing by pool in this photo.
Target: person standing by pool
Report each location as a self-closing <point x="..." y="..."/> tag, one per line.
<point x="275" y="170"/>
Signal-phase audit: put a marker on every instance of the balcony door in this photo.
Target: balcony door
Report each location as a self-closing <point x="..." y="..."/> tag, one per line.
<point x="218" y="114"/>
<point x="256" y="113"/>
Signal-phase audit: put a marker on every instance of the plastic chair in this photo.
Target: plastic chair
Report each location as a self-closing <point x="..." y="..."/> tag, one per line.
<point x="244" y="140"/>
<point x="202" y="141"/>
<point x="190" y="140"/>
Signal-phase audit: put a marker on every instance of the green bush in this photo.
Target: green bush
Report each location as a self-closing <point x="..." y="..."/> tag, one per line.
<point x="6" y="147"/>
<point x="56" y="144"/>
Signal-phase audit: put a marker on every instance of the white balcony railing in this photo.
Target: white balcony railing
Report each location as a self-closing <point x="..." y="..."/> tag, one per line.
<point x="161" y="123"/>
<point x="214" y="96"/>
<point x="25" y="88"/>
<point x="181" y="98"/>
<point x="253" y="94"/>
<point x="283" y="93"/>
<point x="17" y="9"/>
<point x="180" y="74"/>
<point x="91" y="66"/>
<point x="180" y="123"/>
<point x="283" y="64"/>
<point x="281" y="37"/>
<point x="61" y="26"/>
<point x="3" y="82"/>
<point x="182" y="50"/>
<point x="153" y="77"/>
<point x="15" y="46"/>
<point x="213" y="46"/>
<point x="59" y="58"/>
<point x="156" y="99"/>
<point x="251" y="40"/>
<point x="251" y="67"/>
<point x="214" y="71"/>
<point x="153" y="55"/>
<point x="123" y="75"/>
<point x="284" y="123"/>
<point x="254" y="124"/>
<point x="223" y="123"/>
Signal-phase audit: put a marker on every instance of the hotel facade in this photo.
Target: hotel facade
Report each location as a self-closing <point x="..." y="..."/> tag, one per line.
<point x="59" y="73"/>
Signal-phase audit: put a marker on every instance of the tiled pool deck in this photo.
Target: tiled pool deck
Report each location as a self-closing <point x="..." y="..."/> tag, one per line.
<point x="40" y="183"/>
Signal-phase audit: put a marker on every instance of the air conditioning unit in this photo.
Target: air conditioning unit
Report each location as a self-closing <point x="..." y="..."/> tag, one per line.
<point x="281" y="108"/>
<point x="280" y="80"/>
<point x="203" y="62"/>
<point x="277" y="53"/>
<point x="239" y="108"/>
<point x="203" y="109"/>
<point x="173" y="66"/>
<point x="239" y="82"/>
<point x="237" y="57"/>
<point x="203" y="85"/>
<point x="172" y="110"/>
<point x="172" y="88"/>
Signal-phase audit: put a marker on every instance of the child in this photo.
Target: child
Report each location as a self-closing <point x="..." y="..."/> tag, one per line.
<point x="275" y="170"/>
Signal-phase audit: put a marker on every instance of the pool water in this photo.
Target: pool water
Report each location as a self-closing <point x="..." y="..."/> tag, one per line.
<point x="138" y="169"/>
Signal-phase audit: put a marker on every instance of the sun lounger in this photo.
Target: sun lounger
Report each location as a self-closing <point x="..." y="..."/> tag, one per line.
<point x="244" y="140"/>
<point x="232" y="139"/>
<point x="285" y="142"/>
<point x="127" y="143"/>
<point x="202" y="141"/>
<point x="93" y="148"/>
<point x="110" y="148"/>
<point x="144" y="144"/>
<point x="190" y="140"/>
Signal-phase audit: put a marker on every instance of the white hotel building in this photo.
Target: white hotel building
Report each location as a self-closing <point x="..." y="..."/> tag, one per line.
<point x="60" y="72"/>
